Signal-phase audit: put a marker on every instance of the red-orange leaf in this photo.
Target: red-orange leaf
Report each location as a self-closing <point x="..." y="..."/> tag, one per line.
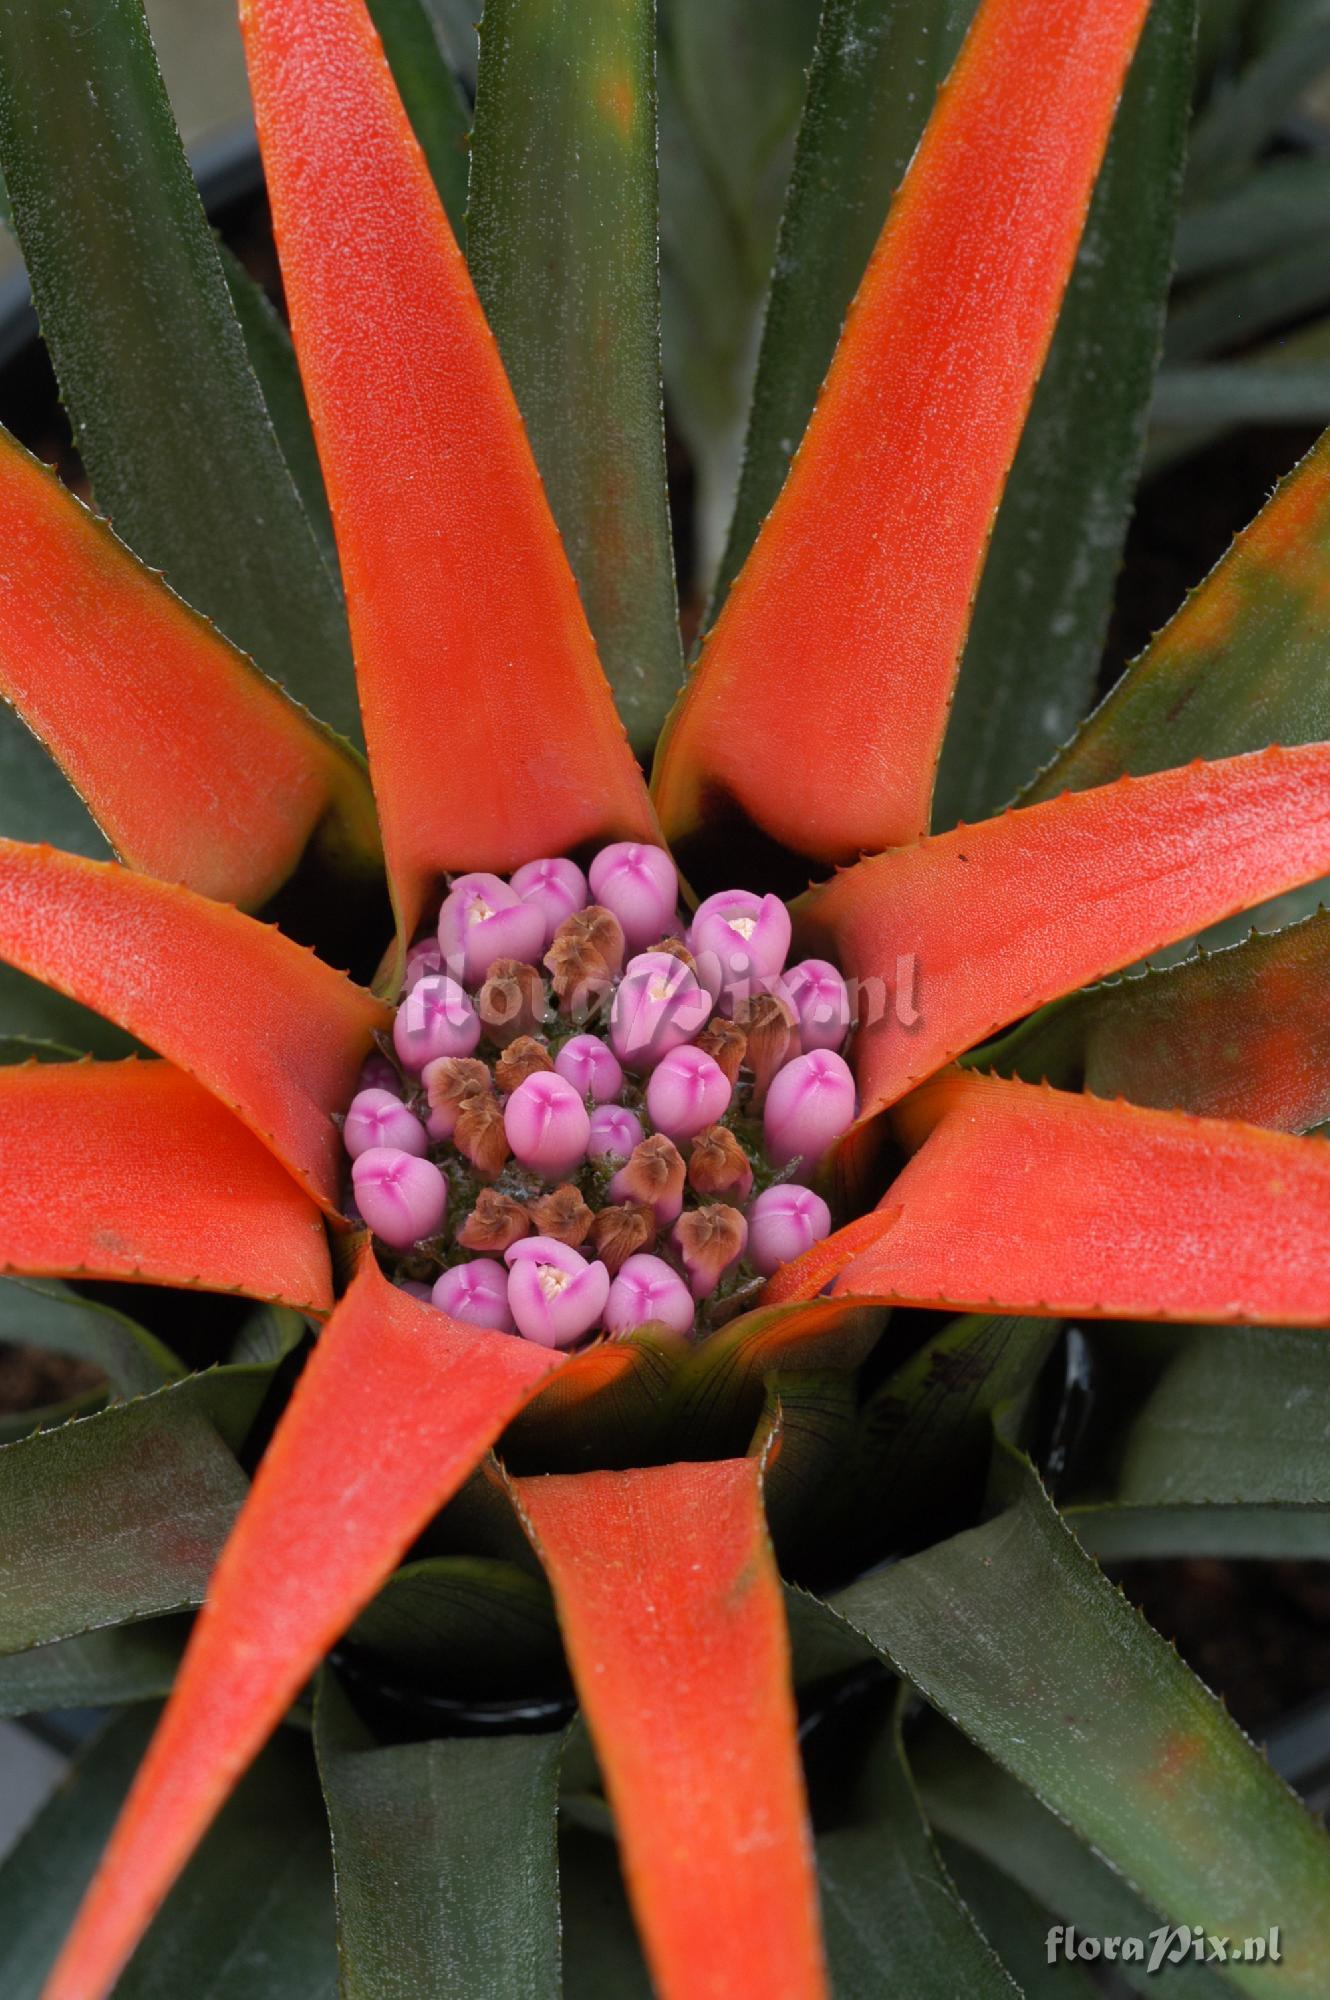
<point x="671" y="1612"/>
<point x="818" y="706"/>
<point x="997" y="919"/>
<point x="492" y="733"/>
<point x="271" y="1030"/>
<point x="396" y="1406"/>
<point x="133" y="1170"/>
<point x="196" y="768"/>
<point x="1035" y="1200"/>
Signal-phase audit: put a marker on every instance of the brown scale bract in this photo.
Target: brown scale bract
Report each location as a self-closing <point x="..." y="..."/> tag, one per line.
<point x="653" y="1172"/>
<point x="585" y="955"/>
<point x="727" y="1045"/>
<point x="622" y="1232"/>
<point x="709" y="1240"/>
<point x="718" y="1164"/>
<point x="494" y="1224"/>
<point x="451" y="1080"/>
<point x="769" y="1024"/>
<point x="522" y="1058"/>
<point x="512" y="1002"/>
<point x="479" y="1134"/>
<point x="563" y="1215"/>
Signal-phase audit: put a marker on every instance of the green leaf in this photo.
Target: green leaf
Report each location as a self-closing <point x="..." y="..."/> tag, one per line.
<point x="252" y="1915"/>
<point x="414" y="43"/>
<point x="463" y="1626"/>
<point x="1236" y="125"/>
<point x="970" y="1798"/>
<point x="602" y="1959"/>
<point x="119" y="1516"/>
<point x="22" y="1048"/>
<point x="1032" y="656"/>
<point x="272" y="356"/>
<point x="1235" y="308"/>
<point x="731" y="89"/>
<point x="807" y="1433"/>
<point x="445" y="1856"/>
<point x="37" y="802"/>
<point x="1193" y="1472"/>
<point x="1241" y="665"/>
<point x="1280" y="204"/>
<point x="1011" y="1631"/>
<point x="31" y="1011"/>
<point x="1241" y="1033"/>
<point x="875" y="72"/>
<point x="123" y="1514"/>
<point x="1243" y="392"/>
<point x="892" y="1918"/>
<point x="925" y="1435"/>
<point x="106" y="1669"/>
<point x="43" y="1879"/>
<point x="562" y="246"/>
<point x="167" y="414"/>
<point x="38" y="1312"/>
<point x="1015" y="1925"/>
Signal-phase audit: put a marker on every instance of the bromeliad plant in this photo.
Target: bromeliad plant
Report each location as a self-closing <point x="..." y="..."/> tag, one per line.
<point x="619" y="1270"/>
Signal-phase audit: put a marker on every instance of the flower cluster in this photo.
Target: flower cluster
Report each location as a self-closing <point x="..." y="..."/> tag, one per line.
<point x="591" y="1117"/>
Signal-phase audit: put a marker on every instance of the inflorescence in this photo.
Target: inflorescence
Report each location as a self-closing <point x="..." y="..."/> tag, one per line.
<point x="590" y="1118"/>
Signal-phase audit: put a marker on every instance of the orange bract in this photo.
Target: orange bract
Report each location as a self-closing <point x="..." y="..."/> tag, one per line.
<point x="671" y="1611"/>
<point x="272" y="1031"/>
<point x="425" y="1398"/>
<point x="1042" y="1201"/>
<point x="196" y="768"/>
<point x="132" y="1170"/>
<point x="1001" y="917"/>
<point x="818" y="705"/>
<point x="491" y="729"/>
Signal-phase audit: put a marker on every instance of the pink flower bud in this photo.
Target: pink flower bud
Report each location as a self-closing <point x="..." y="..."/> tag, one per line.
<point x="614" y="1133"/>
<point x="821" y="1002"/>
<point x="435" y="1019"/>
<point x="709" y="1241"/>
<point x="414" y="1289"/>
<point x="483" y="919"/>
<point x="377" y="1118"/>
<point x="556" y="888"/>
<point x="783" y="1223"/>
<point x="402" y="1198"/>
<point x="647" y="1289"/>
<point x="748" y="934"/>
<point x="591" y="1067"/>
<point x="554" y="1295"/>
<point x="658" y="1006"/>
<point x="640" y="886"/>
<point x="477" y="1293"/>
<point x="687" y="1090"/>
<point x="810" y="1103"/>
<point x="422" y="958"/>
<point x="547" y="1126"/>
